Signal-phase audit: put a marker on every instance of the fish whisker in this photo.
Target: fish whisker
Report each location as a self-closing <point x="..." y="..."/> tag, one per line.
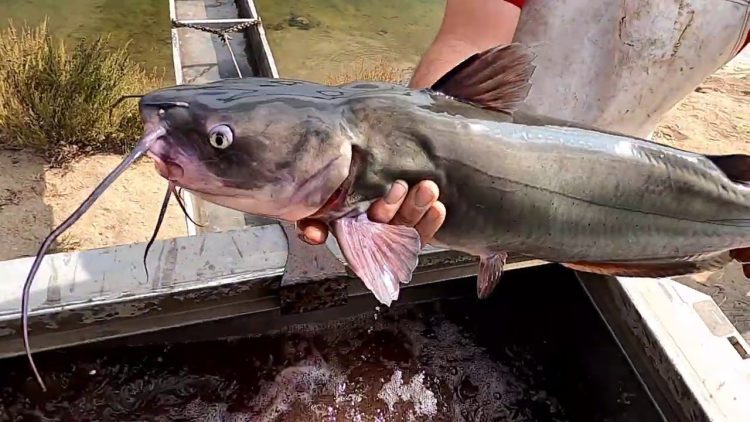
<point x="159" y="221"/>
<point x="140" y="149"/>
<point x="181" y="203"/>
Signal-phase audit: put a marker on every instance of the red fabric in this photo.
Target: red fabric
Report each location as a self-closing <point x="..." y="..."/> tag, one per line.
<point x="518" y="3"/>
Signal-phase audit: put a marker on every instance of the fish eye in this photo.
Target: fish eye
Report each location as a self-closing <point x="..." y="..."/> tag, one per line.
<point x="220" y="136"/>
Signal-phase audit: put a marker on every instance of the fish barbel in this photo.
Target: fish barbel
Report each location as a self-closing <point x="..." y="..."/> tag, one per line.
<point x="549" y="189"/>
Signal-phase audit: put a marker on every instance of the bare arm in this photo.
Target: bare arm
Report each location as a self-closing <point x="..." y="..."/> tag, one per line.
<point x="468" y="26"/>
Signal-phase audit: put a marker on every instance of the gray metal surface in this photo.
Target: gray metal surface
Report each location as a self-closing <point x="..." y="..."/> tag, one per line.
<point x="99" y="294"/>
<point x="692" y="360"/>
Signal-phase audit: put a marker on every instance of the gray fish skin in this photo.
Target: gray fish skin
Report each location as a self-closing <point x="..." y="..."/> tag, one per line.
<point x="511" y="182"/>
<point x="555" y="191"/>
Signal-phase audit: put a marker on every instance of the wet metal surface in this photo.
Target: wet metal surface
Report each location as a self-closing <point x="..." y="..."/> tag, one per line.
<point x="536" y="351"/>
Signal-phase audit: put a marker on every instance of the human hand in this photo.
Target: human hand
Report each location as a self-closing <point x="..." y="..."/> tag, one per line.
<point x="418" y="208"/>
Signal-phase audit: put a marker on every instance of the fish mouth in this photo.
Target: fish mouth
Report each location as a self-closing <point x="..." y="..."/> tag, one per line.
<point x="166" y="168"/>
<point x="337" y="200"/>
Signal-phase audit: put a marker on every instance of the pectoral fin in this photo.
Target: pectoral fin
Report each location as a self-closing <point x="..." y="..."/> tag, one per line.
<point x="490" y="271"/>
<point x="382" y="255"/>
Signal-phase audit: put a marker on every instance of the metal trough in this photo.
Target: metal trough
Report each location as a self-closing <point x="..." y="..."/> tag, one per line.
<point x="227" y="278"/>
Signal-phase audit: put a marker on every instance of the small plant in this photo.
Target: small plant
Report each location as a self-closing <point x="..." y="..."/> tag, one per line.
<point x="65" y="243"/>
<point x="379" y="71"/>
<point x="58" y="101"/>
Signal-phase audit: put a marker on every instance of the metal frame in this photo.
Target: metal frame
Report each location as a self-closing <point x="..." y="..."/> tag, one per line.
<point x="691" y="359"/>
<point x="99" y="294"/>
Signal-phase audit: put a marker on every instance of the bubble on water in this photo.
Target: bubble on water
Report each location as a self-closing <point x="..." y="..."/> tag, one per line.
<point x="397" y="368"/>
<point x="423" y="399"/>
<point x="300" y="383"/>
<point x="202" y="411"/>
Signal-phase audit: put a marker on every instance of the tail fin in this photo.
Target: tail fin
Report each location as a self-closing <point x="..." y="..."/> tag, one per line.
<point x="735" y="166"/>
<point x="743" y="257"/>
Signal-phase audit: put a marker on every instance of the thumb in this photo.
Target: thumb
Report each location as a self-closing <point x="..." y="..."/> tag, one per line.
<point x="312" y="231"/>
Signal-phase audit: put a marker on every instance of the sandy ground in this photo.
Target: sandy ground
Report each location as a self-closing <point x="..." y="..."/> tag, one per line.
<point x="715" y="118"/>
<point x="34" y="199"/>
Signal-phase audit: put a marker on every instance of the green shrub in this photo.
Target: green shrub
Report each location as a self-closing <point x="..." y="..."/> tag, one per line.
<point x="58" y="101"/>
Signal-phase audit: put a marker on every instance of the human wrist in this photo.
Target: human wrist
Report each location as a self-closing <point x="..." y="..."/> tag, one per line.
<point x="442" y="55"/>
<point x="517" y="3"/>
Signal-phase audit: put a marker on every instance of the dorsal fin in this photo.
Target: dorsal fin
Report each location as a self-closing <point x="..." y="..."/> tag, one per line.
<point x="497" y="78"/>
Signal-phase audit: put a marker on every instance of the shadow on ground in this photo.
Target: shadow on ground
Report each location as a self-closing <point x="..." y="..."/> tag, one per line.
<point x="24" y="217"/>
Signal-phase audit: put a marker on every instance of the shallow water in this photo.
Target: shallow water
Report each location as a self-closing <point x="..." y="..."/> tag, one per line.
<point x="520" y="356"/>
<point x="342" y="31"/>
<point x="144" y="22"/>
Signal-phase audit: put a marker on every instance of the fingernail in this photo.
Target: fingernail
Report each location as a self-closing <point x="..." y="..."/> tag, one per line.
<point x="398" y="190"/>
<point x="304" y="238"/>
<point x="423" y="197"/>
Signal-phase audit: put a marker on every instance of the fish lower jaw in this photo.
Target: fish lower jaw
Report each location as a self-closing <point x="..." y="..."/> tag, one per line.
<point x="167" y="169"/>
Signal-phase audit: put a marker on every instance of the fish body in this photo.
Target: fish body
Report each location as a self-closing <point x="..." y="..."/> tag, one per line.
<point x="554" y="190"/>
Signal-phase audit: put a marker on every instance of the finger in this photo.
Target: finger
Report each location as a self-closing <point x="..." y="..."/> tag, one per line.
<point x="384" y="209"/>
<point x="416" y="204"/>
<point x="312" y="231"/>
<point x="431" y="222"/>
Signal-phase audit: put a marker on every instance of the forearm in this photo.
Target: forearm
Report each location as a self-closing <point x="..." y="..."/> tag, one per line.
<point x="468" y="26"/>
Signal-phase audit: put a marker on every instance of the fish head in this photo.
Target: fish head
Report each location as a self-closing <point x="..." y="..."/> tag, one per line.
<point x="256" y="145"/>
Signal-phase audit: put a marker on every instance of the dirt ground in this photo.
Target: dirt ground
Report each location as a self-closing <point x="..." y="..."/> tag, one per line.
<point x="34" y="199"/>
<point x="715" y="118"/>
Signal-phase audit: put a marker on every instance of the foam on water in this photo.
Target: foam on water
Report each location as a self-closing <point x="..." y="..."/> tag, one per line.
<point x="395" y="390"/>
<point x="395" y="367"/>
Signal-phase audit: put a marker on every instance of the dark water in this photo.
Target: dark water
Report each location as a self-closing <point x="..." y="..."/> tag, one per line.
<point x="534" y="352"/>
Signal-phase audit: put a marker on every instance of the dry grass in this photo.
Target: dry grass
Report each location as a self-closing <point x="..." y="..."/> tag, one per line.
<point x="65" y="243"/>
<point x="379" y="71"/>
<point x="57" y="101"/>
